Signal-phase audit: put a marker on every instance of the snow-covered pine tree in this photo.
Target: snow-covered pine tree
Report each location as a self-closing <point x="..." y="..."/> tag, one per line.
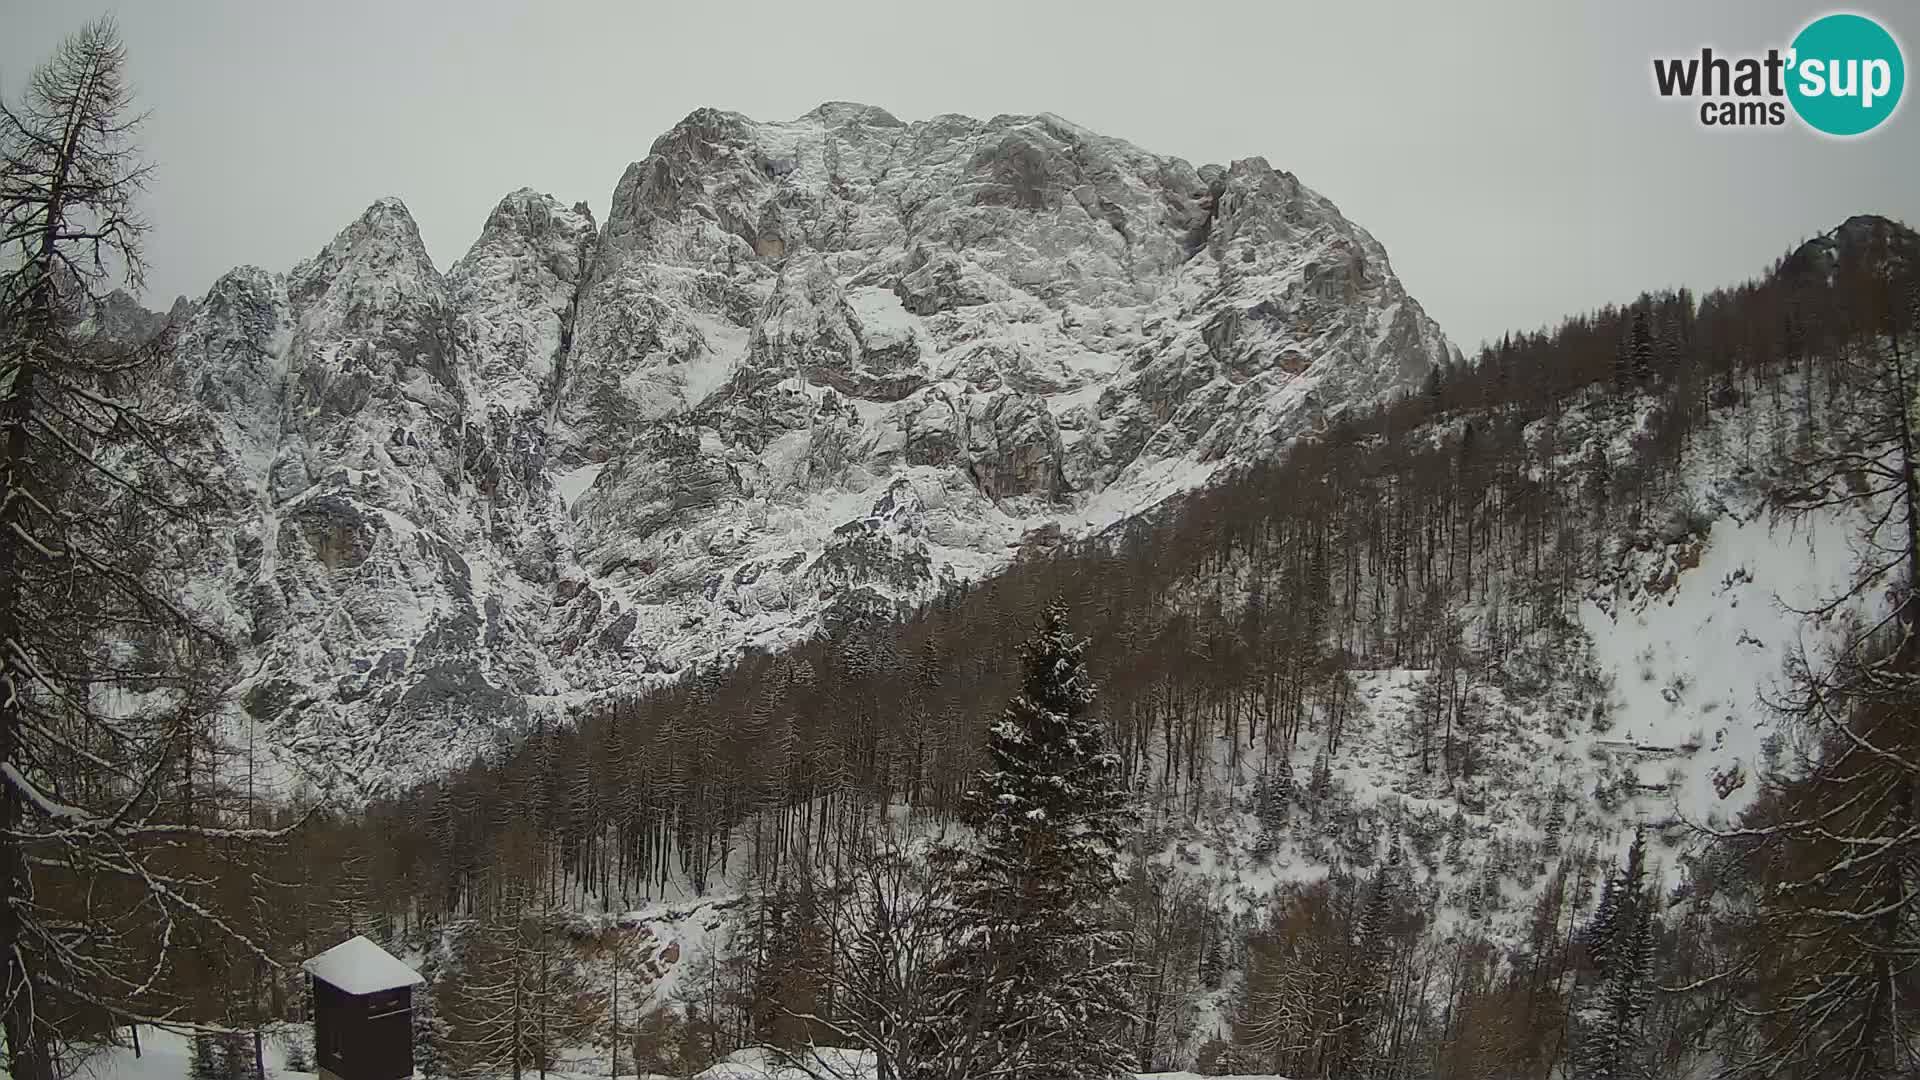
<point x="1035" y="981"/>
<point x="1284" y="788"/>
<point x="429" y="1027"/>
<point x="233" y="1056"/>
<point x="203" y="1060"/>
<point x="1321" y="783"/>
<point x="1642" y="344"/>
<point x="1597" y="935"/>
<point x="1365" y="989"/>
<point x="1272" y="794"/>
<point x="296" y="1057"/>
<point x="1556" y="827"/>
<point x="1620" y="942"/>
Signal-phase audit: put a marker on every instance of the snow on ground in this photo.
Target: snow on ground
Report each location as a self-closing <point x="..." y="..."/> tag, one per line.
<point x="164" y="1055"/>
<point x="884" y="323"/>
<point x="1197" y="1076"/>
<point x="574" y="483"/>
<point x="726" y="350"/>
<point x="838" y="1064"/>
<point x="832" y="1062"/>
<point x="1692" y="663"/>
<point x="1139" y="489"/>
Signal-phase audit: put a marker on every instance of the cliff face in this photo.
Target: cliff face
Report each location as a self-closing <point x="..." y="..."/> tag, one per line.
<point x="804" y="368"/>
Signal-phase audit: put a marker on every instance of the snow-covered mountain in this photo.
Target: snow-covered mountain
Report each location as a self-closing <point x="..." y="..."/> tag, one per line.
<point x="804" y="368"/>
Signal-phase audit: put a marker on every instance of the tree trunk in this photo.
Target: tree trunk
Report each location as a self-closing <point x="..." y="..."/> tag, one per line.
<point x="26" y="1050"/>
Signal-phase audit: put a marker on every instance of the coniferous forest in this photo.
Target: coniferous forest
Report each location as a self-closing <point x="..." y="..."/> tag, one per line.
<point x="957" y="841"/>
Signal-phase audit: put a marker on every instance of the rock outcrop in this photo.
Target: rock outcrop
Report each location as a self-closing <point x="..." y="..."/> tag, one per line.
<point x="804" y="368"/>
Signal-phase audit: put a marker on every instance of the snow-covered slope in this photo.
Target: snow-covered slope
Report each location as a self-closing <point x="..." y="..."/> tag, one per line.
<point x="804" y="368"/>
<point x="1661" y="715"/>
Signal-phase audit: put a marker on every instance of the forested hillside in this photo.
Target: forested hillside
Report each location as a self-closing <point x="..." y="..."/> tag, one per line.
<point x="1342" y="690"/>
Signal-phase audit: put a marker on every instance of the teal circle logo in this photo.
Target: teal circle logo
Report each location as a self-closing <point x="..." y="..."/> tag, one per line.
<point x="1845" y="74"/>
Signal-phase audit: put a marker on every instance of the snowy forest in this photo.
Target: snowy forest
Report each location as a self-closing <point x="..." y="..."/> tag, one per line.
<point x="1135" y="805"/>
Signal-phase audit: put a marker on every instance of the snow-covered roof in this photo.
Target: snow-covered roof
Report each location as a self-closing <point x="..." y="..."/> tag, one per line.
<point x="358" y="966"/>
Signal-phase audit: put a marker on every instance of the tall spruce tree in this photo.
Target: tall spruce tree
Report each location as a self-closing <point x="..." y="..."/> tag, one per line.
<point x="1035" y="981"/>
<point x="203" y="1060"/>
<point x="1619" y="942"/>
<point x="1641" y="342"/>
<point x="1364" y="992"/>
<point x="429" y="1027"/>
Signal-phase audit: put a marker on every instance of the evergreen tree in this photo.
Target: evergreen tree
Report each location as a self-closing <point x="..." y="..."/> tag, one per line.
<point x="1556" y="819"/>
<point x="233" y="1056"/>
<point x="1272" y="793"/>
<point x="1620" y="942"/>
<point x="1641" y="344"/>
<point x="1435" y="390"/>
<point x="792" y="967"/>
<point x="429" y="1028"/>
<point x="1457" y="842"/>
<point x="203" y="1061"/>
<point x="298" y="1059"/>
<point x="1320" y="785"/>
<point x="1623" y="365"/>
<point x="1598" y="933"/>
<point x="1372" y="945"/>
<point x="1035" y="982"/>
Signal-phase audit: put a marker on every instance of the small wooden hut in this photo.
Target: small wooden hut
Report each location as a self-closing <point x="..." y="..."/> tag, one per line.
<point x="362" y="1012"/>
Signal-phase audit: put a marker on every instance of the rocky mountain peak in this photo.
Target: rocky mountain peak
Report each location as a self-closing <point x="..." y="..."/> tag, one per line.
<point x="852" y="114"/>
<point x="806" y="371"/>
<point x="514" y="295"/>
<point x="381" y="247"/>
<point x="1860" y="238"/>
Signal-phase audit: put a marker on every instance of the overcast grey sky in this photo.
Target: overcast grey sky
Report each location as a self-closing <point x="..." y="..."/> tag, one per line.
<point x="1512" y="157"/>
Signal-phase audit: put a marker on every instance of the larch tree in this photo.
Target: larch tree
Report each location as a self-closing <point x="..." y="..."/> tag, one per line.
<point x="888" y="935"/>
<point x="98" y="519"/>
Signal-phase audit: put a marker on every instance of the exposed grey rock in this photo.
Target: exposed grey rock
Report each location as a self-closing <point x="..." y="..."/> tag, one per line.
<point x="330" y="530"/>
<point x="513" y="298"/>
<point x="1013" y="446"/>
<point x="805" y="374"/>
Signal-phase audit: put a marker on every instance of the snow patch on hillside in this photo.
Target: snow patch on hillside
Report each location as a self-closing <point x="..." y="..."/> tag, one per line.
<point x="167" y="1054"/>
<point x="574" y="483"/>
<point x="1697" y="653"/>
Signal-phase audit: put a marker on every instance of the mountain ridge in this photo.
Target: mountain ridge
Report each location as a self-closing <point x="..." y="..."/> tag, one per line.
<point x="805" y="368"/>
